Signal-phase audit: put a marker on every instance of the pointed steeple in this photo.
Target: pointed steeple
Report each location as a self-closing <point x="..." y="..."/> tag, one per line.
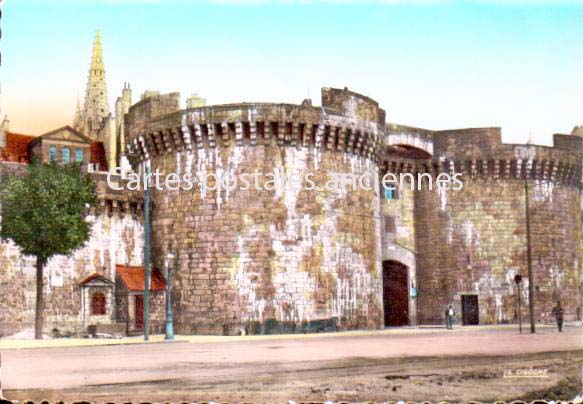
<point x="96" y="105"/>
<point x="77" y="119"/>
<point x="97" y="53"/>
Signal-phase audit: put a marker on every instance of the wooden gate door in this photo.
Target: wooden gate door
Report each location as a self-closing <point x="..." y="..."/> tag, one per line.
<point x="395" y="294"/>
<point x="139" y="312"/>
<point x="470" y="310"/>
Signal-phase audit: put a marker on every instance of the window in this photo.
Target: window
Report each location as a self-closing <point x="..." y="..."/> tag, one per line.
<point x="98" y="304"/>
<point x="52" y="153"/>
<point x="390" y="193"/>
<point x="78" y="155"/>
<point x="66" y="155"/>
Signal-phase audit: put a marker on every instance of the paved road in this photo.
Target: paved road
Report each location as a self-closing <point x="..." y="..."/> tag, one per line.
<point x="66" y="368"/>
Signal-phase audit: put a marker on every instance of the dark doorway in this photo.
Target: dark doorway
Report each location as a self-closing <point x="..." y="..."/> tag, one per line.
<point x="395" y="294"/>
<point x="139" y="312"/>
<point x="98" y="304"/>
<point x="470" y="311"/>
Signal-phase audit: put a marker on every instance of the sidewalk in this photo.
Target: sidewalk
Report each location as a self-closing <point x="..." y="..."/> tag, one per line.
<point x="159" y="338"/>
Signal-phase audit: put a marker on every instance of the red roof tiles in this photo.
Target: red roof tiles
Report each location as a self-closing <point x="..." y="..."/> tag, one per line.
<point x="133" y="278"/>
<point x="17" y="147"/>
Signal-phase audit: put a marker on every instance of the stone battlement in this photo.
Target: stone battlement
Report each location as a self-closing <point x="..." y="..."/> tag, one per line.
<point x="113" y="201"/>
<point x="479" y="153"/>
<point x="347" y="122"/>
<point x="487" y="142"/>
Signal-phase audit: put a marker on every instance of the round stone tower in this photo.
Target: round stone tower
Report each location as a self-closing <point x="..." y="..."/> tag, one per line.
<point x="277" y="247"/>
<point x="471" y="243"/>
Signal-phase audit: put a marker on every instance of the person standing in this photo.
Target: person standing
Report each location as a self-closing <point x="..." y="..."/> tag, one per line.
<point x="449" y="316"/>
<point x="558" y="313"/>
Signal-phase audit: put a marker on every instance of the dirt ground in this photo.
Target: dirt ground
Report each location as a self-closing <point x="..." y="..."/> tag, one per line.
<point x="355" y="379"/>
<point x="261" y="371"/>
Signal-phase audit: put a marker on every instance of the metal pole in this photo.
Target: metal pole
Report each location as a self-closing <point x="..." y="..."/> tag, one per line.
<point x="169" y="318"/>
<point x="529" y="258"/>
<point x="147" y="255"/>
<point x="1" y="395"/>
<point x="519" y="311"/>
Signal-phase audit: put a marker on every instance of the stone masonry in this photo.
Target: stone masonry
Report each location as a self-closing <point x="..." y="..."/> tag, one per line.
<point x="295" y="257"/>
<point x="264" y="260"/>
<point x="117" y="237"/>
<point x="473" y="241"/>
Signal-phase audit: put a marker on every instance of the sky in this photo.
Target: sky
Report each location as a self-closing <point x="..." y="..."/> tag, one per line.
<point x="431" y="64"/>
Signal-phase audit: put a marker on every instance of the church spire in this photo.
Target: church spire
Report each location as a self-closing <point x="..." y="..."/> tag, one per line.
<point x="77" y="120"/>
<point x="96" y="106"/>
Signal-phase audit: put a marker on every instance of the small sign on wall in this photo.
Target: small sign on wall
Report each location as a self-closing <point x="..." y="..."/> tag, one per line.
<point x="57" y="280"/>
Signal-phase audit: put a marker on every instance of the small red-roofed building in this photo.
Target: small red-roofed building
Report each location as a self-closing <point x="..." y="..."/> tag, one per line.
<point x="129" y="297"/>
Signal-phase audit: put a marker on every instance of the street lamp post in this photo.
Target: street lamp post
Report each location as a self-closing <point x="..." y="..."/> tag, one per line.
<point x="529" y="257"/>
<point x="133" y="157"/>
<point x="147" y="253"/>
<point x="169" y="318"/>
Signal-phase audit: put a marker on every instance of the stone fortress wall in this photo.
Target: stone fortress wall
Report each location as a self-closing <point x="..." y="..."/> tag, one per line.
<point x="286" y="260"/>
<point x="251" y="259"/>
<point x="116" y="238"/>
<point x="473" y="242"/>
<point x="298" y="260"/>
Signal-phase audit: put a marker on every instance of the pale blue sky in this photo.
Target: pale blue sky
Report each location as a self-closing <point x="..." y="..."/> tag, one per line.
<point x="436" y="65"/>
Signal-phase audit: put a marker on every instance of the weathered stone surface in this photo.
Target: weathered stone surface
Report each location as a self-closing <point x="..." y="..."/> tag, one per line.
<point x="473" y="241"/>
<point x="116" y="237"/>
<point x="113" y="329"/>
<point x="292" y="259"/>
<point x="288" y="255"/>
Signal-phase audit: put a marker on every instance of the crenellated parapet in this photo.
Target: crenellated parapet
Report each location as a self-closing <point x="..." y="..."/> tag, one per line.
<point x="260" y="258"/>
<point x="479" y="154"/>
<point x="331" y="128"/>
<point x="111" y="200"/>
